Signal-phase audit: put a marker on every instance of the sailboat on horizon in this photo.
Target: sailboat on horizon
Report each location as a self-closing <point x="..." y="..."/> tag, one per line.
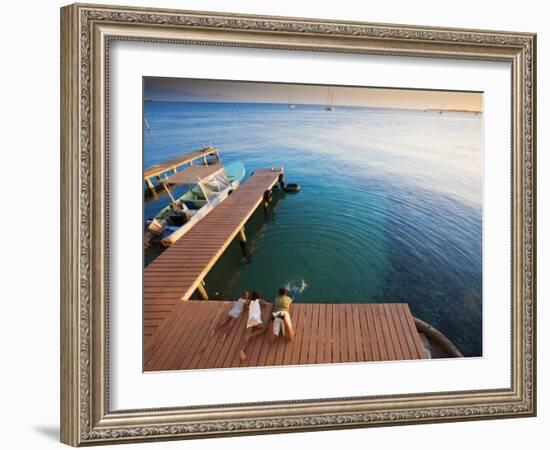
<point x="330" y="106"/>
<point x="291" y="105"/>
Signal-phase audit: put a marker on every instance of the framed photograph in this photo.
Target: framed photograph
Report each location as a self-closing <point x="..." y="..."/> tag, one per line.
<point x="276" y="224"/>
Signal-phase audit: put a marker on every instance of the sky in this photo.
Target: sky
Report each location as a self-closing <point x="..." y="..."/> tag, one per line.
<point x="198" y="90"/>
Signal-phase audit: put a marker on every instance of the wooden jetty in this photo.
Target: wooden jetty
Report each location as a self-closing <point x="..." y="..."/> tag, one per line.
<point x="325" y="334"/>
<point x="180" y="270"/>
<point x="173" y="164"/>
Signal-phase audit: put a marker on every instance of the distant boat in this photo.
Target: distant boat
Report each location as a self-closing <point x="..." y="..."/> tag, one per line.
<point x="148" y="101"/>
<point x="330" y="107"/>
<point x="291" y="105"/>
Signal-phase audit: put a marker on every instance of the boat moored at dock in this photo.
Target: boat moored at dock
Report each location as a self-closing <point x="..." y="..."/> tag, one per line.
<point x="208" y="187"/>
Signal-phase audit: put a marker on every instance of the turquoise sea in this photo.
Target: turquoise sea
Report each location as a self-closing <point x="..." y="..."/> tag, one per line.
<point x="390" y="208"/>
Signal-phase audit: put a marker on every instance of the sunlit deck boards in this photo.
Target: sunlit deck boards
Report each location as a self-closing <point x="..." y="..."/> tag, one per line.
<point x="180" y="269"/>
<point x="325" y="334"/>
<point x="172" y="164"/>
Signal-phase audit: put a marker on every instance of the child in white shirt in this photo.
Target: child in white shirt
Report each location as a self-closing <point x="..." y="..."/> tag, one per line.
<point x="233" y="314"/>
<point x="254" y="325"/>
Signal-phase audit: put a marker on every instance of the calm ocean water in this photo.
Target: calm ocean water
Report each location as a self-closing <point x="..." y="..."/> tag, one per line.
<point x="390" y="208"/>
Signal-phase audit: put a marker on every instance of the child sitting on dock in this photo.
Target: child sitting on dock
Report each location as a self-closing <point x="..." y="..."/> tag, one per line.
<point x="233" y="314"/>
<point x="280" y="317"/>
<point x="254" y="325"/>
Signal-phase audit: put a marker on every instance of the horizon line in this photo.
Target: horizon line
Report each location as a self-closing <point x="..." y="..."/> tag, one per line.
<point x="314" y="104"/>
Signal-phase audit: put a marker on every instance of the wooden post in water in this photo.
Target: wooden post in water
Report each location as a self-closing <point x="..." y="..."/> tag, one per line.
<point x="282" y="182"/>
<point x="151" y="186"/>
<point x="202" y="290"/>
<point x="242" y="241"/>
<point x="268" y="196"/>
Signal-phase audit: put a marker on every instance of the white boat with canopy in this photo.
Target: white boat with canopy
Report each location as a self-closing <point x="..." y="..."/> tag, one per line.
<point x="208" y="187"/>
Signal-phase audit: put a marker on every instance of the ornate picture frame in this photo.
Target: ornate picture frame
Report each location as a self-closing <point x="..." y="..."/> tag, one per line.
<point x="86" y="34"/>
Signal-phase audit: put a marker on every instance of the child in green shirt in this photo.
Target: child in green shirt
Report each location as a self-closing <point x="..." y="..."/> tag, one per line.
<point x="280" y="317"/>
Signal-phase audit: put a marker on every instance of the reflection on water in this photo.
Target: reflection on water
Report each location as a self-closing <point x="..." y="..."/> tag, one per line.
<point x="390" y="207"/>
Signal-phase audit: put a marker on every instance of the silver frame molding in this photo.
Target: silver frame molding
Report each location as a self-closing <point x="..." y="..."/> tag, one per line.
<point x="86" y="33"/>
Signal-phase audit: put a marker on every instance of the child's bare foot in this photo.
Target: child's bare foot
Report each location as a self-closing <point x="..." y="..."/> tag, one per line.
<point x="224" y="337"/>
<point x="242" y="355"/>
<point x="211" y="333"/>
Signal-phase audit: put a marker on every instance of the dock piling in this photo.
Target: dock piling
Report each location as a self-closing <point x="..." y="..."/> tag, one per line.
<point x="242" y="242"/>
<point x="202" y="290"/>
<point x="267" y="197"/>
<point x="282" y="182"/>
<point x="151" y="186"/>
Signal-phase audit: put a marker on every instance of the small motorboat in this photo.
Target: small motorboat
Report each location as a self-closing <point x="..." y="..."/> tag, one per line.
<point x="208" y="187"/>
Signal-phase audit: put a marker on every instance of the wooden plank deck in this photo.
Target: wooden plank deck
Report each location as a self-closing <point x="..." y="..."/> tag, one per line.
<point x="325" y="334"/>
<point x="181" y="268"/>
<point x="172" y="164"/>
